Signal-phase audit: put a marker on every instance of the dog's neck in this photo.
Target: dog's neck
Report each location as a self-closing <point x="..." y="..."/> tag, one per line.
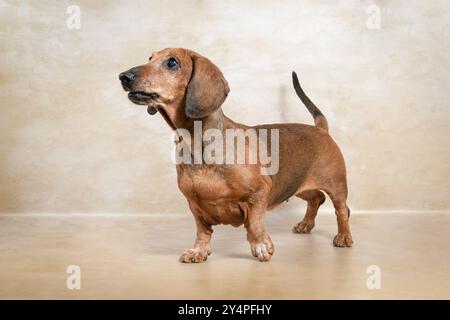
<point x="177" y="119"/>
<point x="216" y="120"/>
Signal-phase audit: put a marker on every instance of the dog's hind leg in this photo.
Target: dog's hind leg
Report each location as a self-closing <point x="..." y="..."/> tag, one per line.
<point x="343" y="237"/>
<point x="314" y="198"/>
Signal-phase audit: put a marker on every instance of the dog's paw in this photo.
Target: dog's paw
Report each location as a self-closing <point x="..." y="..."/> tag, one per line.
<point x="303" y="226"/>
<point x="194" y="255"/>
<point x="343" y="240"/>
<point x="263" y="250"/>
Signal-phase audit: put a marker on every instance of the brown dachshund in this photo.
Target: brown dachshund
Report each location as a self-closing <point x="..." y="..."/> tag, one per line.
<point x="185" y="87"/>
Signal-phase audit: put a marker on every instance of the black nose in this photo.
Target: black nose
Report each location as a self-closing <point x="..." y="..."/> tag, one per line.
<point x="127" y="77"/>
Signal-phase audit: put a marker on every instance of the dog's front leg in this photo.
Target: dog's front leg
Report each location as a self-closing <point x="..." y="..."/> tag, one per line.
<point x="260" y="243"/>
<point x="202" y="247"/>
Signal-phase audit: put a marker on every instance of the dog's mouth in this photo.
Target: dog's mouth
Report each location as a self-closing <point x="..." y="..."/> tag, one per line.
<point x="141" y="97"/>
<point x="150" y="100"/>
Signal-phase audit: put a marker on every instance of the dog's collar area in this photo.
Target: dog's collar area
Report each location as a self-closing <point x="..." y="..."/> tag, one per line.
<point x="165" y="116"/>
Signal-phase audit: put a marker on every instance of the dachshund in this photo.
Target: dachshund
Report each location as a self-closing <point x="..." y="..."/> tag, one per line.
<point x="186" y="88"/>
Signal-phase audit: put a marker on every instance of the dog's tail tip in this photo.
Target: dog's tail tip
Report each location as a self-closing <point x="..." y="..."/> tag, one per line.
<point x="319" y="119"/>
<point x="294" y="76"/>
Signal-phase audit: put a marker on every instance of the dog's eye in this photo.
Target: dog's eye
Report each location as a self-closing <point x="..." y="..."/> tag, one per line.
<point x="172" y="63"/>
<point x="149" y="59"/>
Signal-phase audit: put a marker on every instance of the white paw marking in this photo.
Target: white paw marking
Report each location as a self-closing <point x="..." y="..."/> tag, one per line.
<point x="261" y="248"/>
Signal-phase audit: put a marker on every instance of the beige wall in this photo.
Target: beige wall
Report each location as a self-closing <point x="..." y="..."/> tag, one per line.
<point x="71" y="141"/>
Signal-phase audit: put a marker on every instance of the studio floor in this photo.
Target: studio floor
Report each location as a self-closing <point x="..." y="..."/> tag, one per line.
<point x="136" y="257"/>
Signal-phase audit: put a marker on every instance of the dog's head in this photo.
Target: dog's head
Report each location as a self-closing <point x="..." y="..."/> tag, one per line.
<point x="179" y="83"/>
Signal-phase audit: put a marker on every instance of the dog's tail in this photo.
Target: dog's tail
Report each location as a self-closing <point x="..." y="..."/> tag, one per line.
<point x="319" y="119"/>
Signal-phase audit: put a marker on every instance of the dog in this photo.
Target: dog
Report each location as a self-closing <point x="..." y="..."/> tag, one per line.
<point x="184" y="87"/>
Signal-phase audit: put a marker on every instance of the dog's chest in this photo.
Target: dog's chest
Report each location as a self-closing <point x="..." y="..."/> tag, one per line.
<point x="209" y="191"/>
<point x="203" y="183"/>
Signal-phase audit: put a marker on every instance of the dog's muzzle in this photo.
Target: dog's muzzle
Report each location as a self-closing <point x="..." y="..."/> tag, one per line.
<point x="128" y="79"/>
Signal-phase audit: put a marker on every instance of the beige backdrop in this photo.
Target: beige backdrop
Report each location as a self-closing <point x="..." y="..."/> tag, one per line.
<point x="71" y="141"/>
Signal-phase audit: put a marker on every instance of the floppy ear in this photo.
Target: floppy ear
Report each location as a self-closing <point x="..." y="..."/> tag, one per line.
<point x="207" y="89"/>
